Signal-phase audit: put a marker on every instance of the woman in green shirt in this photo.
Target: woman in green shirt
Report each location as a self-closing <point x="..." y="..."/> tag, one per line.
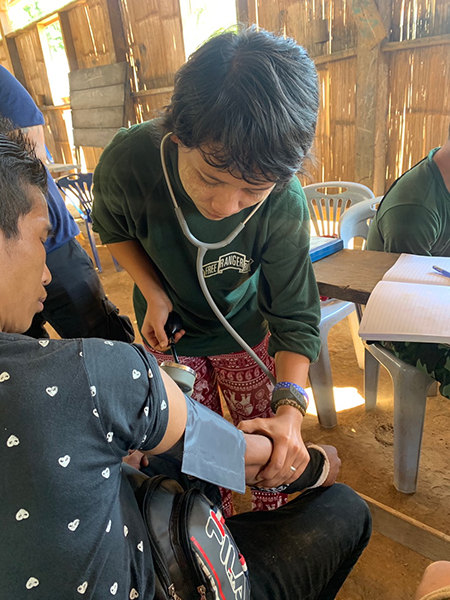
<point x="242" y="120"/>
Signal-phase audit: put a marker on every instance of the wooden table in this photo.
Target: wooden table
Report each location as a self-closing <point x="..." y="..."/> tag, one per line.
<point x="352" y="274"/>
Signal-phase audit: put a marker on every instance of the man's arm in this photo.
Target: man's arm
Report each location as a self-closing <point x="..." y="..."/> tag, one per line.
<point x="258" y="448"/>
<point x="408" y="228"/>
<point x="177" y="416"/>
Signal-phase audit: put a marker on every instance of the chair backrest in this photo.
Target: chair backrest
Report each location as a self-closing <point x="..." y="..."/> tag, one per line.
<point x="327" y="202"/>
<point x="355" y="222"/>
<point x="80" y="185"/>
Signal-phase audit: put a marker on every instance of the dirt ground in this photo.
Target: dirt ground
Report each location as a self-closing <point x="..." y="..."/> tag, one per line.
<point x="387" y="570"/>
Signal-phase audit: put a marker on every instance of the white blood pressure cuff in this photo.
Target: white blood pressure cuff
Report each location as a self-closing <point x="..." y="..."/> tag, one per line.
<point x="213" y="448"/>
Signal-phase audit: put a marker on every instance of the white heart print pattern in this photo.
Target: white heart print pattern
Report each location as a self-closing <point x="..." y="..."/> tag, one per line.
<point x="113" y="589"/>
<point x="52" y="391"/>
<point x="140" y="546"/>
<point x="44" y="343"/>
<point x="82" y="588"/>
<point x="163" y="405"/>
<point x="136" y="374"/>
<point x="108" y="527"/>
<point x="134" y="594"/>
<point x="12" y="441"/>
<point x="64" y="460"/>
<point x="125" y="530"/>
<point x="146" y="411"/>
<point x="4" y="376"/>
<point x="93" y="390"/>
<point x="31" y="583"/>
<point x="109" y="436"/>
<point x="22" y="514"/>
<point x="106" y="473"/>
<point x="108" y="343"/>
<point x="150" y="374"/>
<point x="73" y="524"/>
<point x="95" y="413"/>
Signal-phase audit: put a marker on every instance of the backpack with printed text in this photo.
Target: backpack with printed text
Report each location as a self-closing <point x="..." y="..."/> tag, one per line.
<point x="194" y="554"/>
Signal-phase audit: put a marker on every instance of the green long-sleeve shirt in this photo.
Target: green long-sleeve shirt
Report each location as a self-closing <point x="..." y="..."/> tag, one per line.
<point x="414" y="216"/>
<point x="263" y="279"/>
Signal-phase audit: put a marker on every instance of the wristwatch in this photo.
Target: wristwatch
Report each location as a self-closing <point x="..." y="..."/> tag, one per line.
<point x="286" y="393"/>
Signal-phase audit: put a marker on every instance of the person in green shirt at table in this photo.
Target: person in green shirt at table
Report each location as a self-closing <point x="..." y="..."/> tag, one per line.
<point x="240" y="124"/>
<point x="414" y="217"/>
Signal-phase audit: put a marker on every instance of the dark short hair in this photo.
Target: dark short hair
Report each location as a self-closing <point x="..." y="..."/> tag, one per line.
<point x="254" y="97"/>
<point x="19" y="168"/>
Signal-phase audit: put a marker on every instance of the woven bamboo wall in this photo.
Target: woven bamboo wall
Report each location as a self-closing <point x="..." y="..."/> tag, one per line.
<point x="308" y="22"/>
<point x="419" y="106"/>
<point x="3" y="56"/>
<point x="322" y="28"/>
<point x="33" y="65"/>
<point x="419" y="79"/>
<point x="417" y="114"/>
<point x="156" y="50"/>
<point x="412" y="19"/>
<point x="336" y="126"/>
<point x="91" y="34"/>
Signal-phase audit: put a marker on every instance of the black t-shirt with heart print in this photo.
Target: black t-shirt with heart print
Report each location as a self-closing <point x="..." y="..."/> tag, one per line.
<point x="69" y="411"/>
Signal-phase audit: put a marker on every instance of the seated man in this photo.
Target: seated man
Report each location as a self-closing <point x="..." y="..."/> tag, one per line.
<point x="414" y="217"/>
<point x="72" y="409"/>
<point x="76" y="305"/>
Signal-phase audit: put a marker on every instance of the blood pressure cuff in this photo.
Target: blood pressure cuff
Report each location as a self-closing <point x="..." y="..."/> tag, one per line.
<point x="213" y="448"/>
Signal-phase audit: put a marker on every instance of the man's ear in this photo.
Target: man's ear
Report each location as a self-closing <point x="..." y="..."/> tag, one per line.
<point x="175" y="139"/>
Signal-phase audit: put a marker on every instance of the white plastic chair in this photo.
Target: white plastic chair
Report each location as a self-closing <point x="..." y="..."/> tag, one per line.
<point x="327" y="202"/>
<point x="410" y="384"/>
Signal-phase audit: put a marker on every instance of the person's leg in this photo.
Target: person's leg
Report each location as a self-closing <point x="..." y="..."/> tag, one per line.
<point x="305" y="549"/>
<point x="76" y="304"/>
<point x="433" y="359"/>
<point x="247" y="392"/>
<point x="206" y="392"/>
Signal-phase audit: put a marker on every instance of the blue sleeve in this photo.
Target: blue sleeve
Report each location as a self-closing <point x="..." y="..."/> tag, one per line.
<point x="16" y="103"/>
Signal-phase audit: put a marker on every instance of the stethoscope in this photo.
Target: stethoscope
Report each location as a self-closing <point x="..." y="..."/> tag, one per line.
<point x="203" y="247"/>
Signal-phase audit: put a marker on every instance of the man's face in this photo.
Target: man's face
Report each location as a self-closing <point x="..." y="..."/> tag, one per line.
<point x="216" y="194"/>
<point x="23" y="270"/>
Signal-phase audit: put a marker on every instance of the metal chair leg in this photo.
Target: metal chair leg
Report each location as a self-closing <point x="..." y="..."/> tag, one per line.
<point x="93" y="246"/>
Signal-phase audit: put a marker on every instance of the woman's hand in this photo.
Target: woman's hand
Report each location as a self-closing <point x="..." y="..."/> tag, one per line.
<point x="288" y="447"/>
<point x="158" y="308"/>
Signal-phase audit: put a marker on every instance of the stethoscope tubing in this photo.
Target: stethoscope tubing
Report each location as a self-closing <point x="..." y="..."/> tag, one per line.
<point x="203" y="247"/>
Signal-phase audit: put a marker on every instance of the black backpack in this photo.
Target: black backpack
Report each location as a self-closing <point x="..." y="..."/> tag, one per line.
<point x="194" y="554"/>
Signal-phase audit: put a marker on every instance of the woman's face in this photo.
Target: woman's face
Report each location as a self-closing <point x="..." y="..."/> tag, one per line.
<point x="216" y="194"/>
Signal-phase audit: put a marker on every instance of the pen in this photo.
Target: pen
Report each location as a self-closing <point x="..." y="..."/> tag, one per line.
<point x="441" y="271"/>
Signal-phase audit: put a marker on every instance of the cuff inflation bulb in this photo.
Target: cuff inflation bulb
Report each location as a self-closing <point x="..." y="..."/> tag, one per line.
<point x="183" y="376"/>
